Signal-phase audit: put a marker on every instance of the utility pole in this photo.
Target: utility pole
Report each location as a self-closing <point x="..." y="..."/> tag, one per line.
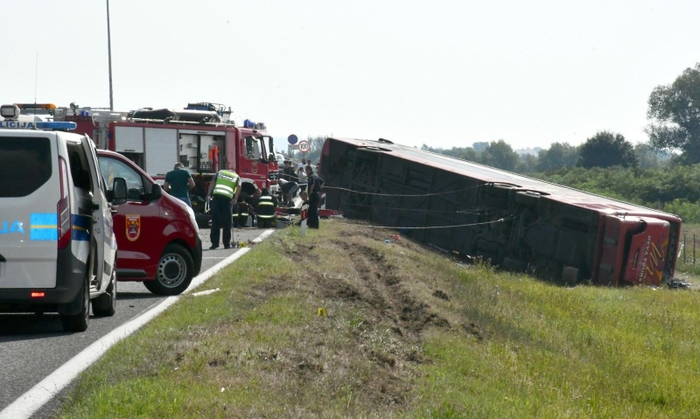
<point x="109" y="55"/>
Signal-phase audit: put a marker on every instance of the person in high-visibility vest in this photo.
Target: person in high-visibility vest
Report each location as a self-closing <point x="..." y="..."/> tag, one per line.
<point x="224" y="190"/>
<point x="266" y="208"/>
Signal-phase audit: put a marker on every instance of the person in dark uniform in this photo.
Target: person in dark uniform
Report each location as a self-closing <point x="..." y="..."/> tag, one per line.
<point x="252" y="201"/>
<point x="266" y="209"/>
<point x="313" y="188"/>
<point x="224" y="190"/>
<point x="241" y="211"/>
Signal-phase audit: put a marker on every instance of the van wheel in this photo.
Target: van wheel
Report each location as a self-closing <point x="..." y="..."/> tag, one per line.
<point x="106" y="304"/>
<point x="174" y="273"/>
<point x="78" y="322"/>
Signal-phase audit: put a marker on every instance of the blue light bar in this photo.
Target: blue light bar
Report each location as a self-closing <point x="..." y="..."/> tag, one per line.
<point x="58" y="125"/>
<point x="62" y="125"/>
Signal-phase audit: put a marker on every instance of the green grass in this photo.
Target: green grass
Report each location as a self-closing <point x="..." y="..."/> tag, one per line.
<point x="408" y="333"/>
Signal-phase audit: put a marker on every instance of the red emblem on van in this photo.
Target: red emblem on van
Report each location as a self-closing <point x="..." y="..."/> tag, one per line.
<point x="133" y="226"/>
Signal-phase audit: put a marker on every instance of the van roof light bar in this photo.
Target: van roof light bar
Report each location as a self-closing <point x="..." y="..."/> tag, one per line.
<point x="43" y="125"/>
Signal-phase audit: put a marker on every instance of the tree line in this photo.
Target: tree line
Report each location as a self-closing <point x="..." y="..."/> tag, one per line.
<point x="663" y="173"/>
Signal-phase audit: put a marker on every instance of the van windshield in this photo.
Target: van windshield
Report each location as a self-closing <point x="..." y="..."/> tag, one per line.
<point x="25" y="165"/>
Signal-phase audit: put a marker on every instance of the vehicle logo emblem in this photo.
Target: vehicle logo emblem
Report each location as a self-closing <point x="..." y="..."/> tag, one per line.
<point x="133" y="226"/>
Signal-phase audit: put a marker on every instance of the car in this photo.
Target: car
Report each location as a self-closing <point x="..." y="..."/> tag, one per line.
<point x="157" y="234"/>
<point x="58" y="251"/>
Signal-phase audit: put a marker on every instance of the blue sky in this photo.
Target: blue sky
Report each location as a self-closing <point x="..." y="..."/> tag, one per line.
<point x="444" y="73"/>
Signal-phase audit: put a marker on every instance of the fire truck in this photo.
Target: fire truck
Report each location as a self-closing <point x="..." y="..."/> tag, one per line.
<point x="201" y="136"/>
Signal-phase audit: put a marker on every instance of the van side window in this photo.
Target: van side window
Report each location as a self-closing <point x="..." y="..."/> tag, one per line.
<point x="112" y="168"/>
<point x="78" y="169"/>
<point x="25" y="165"/>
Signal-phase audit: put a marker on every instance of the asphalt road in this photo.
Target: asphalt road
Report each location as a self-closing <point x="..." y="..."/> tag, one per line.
<point x="33" y="346"/>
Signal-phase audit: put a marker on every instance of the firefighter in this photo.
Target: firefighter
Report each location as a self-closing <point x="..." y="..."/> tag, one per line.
<point x="251" y="201"/>
<point x="266" y="208"/>
<point x="241" y="211"/>
<point x="224" y="190"/>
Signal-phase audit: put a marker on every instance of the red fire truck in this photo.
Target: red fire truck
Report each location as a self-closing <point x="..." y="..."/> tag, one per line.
<point x="201" y="136"/>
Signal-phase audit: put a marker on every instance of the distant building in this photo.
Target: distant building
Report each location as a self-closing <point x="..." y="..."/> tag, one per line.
<point x="532" y="151"/>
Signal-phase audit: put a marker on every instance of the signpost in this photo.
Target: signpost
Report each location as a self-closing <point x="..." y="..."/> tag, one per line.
<point x="304" y="209"/>
<point x="304" y="146"/>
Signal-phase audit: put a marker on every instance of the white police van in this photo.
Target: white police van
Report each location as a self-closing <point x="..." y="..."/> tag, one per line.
<point x="57" y="245"/>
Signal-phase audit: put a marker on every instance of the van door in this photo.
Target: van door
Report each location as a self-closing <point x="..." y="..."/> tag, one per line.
<point x="138" y="221"/>
<point x="102" y="226"/>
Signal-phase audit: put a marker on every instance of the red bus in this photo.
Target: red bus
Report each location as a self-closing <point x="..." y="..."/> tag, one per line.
<point x="513" y="221"/>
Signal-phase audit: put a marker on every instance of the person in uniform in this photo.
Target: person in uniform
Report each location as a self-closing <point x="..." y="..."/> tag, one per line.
<point x="224" y="190"/>
<point x="241" y="211"/>
<point x="178" y="182"/>
<point x="313" y="188"/>
<point x="266" y="209"/>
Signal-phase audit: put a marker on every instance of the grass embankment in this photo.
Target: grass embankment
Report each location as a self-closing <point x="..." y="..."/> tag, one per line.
<point x="408" y="333"/>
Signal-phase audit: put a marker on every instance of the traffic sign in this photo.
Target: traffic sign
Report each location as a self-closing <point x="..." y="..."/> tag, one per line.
<point x="292" y="139"/>
<point x="304" y="146"/>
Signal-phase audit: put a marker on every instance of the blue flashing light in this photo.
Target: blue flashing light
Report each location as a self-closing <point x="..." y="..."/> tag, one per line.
<point x="57" y="125"/>
<point x="62" y="125"/>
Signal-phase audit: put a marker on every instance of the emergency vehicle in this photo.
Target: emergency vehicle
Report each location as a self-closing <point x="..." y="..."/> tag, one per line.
<point x="201" y="136"/>
<point x="58" y="250"/>
<point x="157" y="233"/>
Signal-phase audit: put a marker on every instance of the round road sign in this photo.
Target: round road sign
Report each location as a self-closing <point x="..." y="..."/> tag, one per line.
<point x="304" y="146"/>
<point x="292" y="139"/>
